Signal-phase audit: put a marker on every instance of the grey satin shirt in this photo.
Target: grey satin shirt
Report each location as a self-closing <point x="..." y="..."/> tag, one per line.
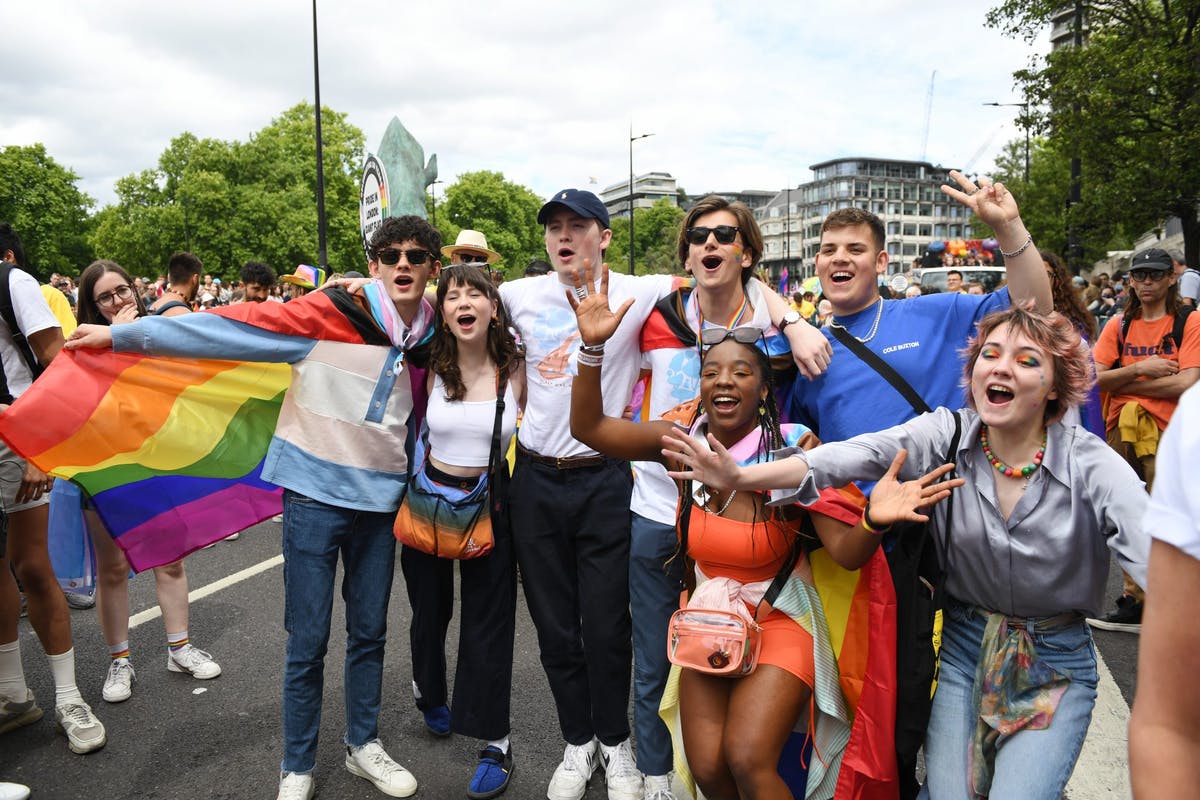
<point x="1051" y="554"/>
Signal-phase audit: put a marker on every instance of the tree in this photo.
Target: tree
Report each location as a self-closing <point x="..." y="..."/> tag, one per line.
<point x="231" y="202"/>
<point x="657" y="232"/>
<point x="1043" y="200"/>
<point x="38" y="196"/>
<point x="503" y="211"/>
<point x="1127" y="105"/>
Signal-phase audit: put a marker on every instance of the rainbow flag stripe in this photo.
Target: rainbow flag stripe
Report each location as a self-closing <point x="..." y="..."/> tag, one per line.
<point x="169" y="450"/>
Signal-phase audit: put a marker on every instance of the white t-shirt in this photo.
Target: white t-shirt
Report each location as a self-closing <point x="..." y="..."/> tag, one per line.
<point x="675" y="379"/>
<point x="538" y="308"/>
<point x="33" y="314"/>
<point x="1189" y="285"/>
<point x="1173" y="514"/>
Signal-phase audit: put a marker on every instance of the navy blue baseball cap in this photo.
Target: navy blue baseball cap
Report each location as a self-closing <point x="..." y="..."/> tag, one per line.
<point x="583" y="203"/>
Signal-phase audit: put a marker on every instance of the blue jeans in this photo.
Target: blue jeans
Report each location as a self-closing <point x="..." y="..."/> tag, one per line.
<point x="1029" y="764"/>
<point x="653" y="597"/>
<point x="314" y="534"/>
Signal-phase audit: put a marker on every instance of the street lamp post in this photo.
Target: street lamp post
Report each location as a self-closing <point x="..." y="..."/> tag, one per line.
<point x="1024" y="106"/>
<point x="321" y="256"/>
<point x="433" y="199"/>
<point x="632" y="139"/>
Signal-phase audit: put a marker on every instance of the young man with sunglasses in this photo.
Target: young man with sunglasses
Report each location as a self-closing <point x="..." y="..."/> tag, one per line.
<point x="339" y="453"/>
<point x="720" y="244"/>
<point x="1144" y="370"/>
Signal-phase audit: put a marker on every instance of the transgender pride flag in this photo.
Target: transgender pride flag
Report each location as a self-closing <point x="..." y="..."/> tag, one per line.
<point x="170" y="450"/>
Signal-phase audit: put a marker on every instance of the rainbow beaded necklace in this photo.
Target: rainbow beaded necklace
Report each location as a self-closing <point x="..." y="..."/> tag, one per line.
<point x="1005" y="469"/>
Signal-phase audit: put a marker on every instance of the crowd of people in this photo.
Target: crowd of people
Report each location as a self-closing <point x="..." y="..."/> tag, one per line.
<point x="649" y="418"/>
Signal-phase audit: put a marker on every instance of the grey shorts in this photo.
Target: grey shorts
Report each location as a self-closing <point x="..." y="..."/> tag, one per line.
<point x="12" y="469"/>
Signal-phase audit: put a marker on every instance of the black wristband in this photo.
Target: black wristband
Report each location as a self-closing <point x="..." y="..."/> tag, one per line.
<point x="870" y="524"/>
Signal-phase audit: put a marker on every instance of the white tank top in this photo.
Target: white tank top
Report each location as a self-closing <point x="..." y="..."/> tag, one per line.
<point x="460" y="432"/>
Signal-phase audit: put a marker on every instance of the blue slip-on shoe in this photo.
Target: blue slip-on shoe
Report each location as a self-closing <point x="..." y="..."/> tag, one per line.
<point x="492" y="775"/>
<point x="437" y="721"/>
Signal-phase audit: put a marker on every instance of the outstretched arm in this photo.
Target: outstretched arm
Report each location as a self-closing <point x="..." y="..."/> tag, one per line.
<point x="810" y="349"/>
<point x="613" y="436"/>
<point x="995" y="205"/>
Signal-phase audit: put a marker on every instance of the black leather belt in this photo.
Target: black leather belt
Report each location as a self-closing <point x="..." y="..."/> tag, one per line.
<point x="570" y="462"/>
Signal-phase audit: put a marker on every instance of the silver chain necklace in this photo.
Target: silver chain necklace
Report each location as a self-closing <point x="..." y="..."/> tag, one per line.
<point x="874" y="328"/>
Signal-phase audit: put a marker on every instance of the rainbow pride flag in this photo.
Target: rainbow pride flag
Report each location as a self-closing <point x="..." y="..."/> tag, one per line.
<point x="170" y="450"/>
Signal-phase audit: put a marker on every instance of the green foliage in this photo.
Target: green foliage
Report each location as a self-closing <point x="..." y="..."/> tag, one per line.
<point x="232" y="202"/>
<point x="656" y="231"/>
<point x="1043" y="201"/>
<point x="38" y="196"/>
<point x="1127" y="104"/>
<point x="503" y="211"/>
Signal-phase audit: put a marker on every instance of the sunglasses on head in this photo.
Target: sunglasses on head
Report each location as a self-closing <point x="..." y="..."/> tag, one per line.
<point x="725" y="234"/>
<point x="710" y="337"/>
<point x="390" y="256"/>
<point x="1147" y="274"/>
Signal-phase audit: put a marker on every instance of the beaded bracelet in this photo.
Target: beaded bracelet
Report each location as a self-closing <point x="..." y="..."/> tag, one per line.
<point x="589" y="359"/>
<point x="1019" y="250"/>
<point x="869" y="526"/>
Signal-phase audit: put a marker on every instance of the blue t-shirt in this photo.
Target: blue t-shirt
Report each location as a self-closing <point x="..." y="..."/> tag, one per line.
<point x="920" y="338"/>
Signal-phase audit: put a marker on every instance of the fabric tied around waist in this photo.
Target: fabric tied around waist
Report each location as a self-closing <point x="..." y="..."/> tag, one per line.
<point x="1015" y="689"/>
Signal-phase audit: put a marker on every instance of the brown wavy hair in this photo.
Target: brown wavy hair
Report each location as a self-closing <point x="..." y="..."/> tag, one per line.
<point x="443" y="353"/>
<point x="747" y="226"/>
<point x="1066" y="300"/>
<point x="1074" y="371"/>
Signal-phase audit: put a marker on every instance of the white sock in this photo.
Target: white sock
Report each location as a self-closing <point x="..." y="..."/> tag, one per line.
<point x="499" y="744"/>
<point x="12" y="676"/>
<point x="62" y="667"/>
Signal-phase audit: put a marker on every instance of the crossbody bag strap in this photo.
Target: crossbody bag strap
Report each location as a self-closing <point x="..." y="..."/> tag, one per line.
<point x="871" y="359"/>
<point x="494" y="455"/>
<point x="785" y="572"/>
<point x="951" y="457"/>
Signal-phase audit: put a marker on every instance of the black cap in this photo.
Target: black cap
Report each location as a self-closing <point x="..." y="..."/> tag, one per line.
<point x="1154" y="258"/>
<point x="582" y="202"/>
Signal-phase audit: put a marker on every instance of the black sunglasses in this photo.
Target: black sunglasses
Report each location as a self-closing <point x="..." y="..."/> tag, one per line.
<point x="390" y="256"/>
<point x="746" y="334"/>
<point x="1148" y="274"/>
<point x="471" y="258"/>
<point x="725" y="234"/>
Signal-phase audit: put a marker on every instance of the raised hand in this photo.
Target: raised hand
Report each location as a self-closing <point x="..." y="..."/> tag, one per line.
<point x="991" y="202"/>
<point x="597" y="322"/>
<point x="893" y="501"/>
<point x="714" y="468"/>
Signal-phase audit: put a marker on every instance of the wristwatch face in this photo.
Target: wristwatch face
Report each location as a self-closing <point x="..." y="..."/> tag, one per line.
<point x="789" y="318"/>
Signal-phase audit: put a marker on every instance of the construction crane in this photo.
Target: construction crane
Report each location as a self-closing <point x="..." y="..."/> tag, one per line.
<point x="966" y="168"/>
<point x="928" y="114"/>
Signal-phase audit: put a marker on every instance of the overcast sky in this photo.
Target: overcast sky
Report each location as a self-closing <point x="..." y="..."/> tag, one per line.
<point x="739" y="95"/>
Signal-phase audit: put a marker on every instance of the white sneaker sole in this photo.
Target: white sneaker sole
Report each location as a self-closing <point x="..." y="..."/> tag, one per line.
<point x="1122" y="627"/>
<point x="354" y="769"/>
<point x="174" y="667"/>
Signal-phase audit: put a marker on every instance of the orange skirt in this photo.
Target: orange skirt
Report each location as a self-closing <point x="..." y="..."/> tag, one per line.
<point x="786" y="645"/>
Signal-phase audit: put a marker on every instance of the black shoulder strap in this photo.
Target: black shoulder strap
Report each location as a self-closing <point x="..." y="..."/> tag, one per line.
<point x="165" y="307"/>
<point x="882" y="367"/>
<point x="495" y="456"/>
<point x="1181" y="315"/>
<point x="9" y="314"/>
<point x="951" y="456"/>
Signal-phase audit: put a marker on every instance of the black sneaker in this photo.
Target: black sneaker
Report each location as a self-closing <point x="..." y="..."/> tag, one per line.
<point x="1127" y="617"/>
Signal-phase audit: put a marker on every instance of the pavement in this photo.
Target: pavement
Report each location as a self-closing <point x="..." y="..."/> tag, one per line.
<point x="182" y="738"/>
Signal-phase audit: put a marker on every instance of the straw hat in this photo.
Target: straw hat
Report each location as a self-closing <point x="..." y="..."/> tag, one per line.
<point x="470" y="240"/>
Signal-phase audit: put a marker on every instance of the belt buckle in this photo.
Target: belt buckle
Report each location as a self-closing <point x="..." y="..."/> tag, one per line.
<point x="561" y="463"/>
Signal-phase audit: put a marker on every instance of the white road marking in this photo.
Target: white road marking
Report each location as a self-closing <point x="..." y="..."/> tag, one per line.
<point x="1102" y="771"/>
<point x="155" y="612"/>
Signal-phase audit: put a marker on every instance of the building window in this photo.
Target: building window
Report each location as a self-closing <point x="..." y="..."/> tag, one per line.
<point x="925" y="230"/>
<point x="910" y="229"/>
<point x="893" y="228"/>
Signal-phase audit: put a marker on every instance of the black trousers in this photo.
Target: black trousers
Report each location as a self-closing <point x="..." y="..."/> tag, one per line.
<point x="483" y="676"/>
<point x="571" y="530"/>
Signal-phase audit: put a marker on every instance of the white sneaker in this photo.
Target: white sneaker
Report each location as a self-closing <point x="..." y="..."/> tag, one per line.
<point x="372" y="762"/>
<point x="194" y="661"/>
<point x="572" y="775"/>
<point x="294" y="786"/>
<point x="657" y="787"/>
<point x="233" y="537"/>
<point x="118" y="686"/>
<point x="84" y="732"/>
<point x="13" y="791"/>
<point x="621" y="773"/>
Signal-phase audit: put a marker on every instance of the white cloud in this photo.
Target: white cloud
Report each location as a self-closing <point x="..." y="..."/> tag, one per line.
<point x="738" y="96"/>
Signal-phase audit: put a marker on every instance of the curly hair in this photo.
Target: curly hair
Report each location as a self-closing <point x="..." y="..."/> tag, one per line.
<point x="397" y="230"/>
<point x="443" y="352"/>
<point x="1066" y="300"/>
<point x="1074" y="370"/>
<point x="89" y="312"/>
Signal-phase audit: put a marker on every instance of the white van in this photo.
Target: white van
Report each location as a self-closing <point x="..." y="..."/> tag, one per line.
<point x="990" y="277"/>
